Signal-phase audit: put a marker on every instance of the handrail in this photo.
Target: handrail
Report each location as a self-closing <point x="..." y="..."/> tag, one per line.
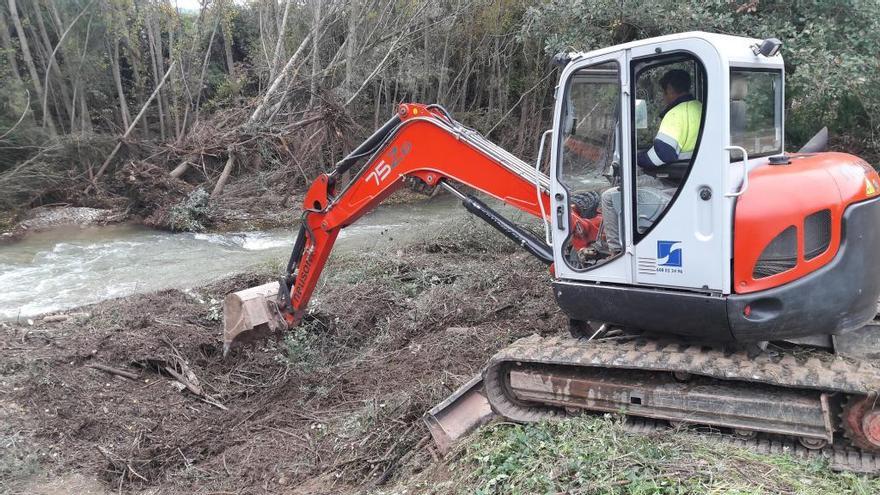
<point x="544" y="219"/>
<point x="745" y="182"/>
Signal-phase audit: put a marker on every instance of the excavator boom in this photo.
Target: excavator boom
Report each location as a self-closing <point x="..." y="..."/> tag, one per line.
<point x="420" y="144"/>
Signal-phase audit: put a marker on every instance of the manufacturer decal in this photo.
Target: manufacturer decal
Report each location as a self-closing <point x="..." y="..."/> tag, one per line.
<point x="669" y="257"/>
<point x="382" y="169"/>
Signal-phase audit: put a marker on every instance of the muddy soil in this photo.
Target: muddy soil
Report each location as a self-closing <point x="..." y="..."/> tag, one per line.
<point x="334" y="407"/>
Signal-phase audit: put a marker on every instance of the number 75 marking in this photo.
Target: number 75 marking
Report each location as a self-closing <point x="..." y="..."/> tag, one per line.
<point x="379" y="173"/>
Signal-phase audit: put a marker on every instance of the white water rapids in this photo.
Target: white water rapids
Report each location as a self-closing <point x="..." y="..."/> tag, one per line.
<point x="62" y="269"/>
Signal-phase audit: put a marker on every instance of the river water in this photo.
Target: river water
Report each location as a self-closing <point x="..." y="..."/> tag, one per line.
<point x="62" y="269"/>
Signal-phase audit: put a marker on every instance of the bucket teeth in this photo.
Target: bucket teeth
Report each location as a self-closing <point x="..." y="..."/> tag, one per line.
<point x="251" y="315"/>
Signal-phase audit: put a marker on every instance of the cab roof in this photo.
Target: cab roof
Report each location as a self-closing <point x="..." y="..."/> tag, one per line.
<point x="736" y="50"/>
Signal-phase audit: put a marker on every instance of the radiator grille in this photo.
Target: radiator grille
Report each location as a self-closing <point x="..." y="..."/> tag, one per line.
<point x="817" y="233"/>
<point x="779" y="255"/>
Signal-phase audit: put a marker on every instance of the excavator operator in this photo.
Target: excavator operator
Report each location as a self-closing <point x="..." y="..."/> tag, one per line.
<point x="675" y="141"/>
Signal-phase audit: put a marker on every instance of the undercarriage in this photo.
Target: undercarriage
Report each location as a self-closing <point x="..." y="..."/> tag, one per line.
<point x="807" y="402"/>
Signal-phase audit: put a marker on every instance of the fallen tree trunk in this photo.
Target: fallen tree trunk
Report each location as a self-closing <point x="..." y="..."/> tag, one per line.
<point x="224" y="176"/>
<point x="180" y="169"/>
<point x="132" y="125"/>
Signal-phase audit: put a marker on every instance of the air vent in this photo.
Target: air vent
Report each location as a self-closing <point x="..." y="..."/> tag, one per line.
<point x="817" y="234"/>
<point x="780" y="255"/>
<point x="647" y="266"/>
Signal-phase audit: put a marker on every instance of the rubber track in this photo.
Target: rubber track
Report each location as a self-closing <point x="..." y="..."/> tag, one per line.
<point x="805" y="370"/>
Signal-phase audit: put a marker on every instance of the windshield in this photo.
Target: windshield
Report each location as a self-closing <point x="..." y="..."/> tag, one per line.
<point x="756" y="110"/>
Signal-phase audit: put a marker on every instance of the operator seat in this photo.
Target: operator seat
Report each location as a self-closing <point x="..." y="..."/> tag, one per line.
<point x="739" y="89"/>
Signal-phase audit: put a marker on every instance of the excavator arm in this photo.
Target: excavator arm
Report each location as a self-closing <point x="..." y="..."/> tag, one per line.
<point x="421" y="144"/>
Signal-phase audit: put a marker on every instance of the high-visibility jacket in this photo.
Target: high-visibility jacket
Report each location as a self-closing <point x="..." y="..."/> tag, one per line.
<point x="677" y="136"/>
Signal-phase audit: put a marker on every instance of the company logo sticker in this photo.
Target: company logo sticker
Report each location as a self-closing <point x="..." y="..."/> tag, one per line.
<point x="669" y="257"/>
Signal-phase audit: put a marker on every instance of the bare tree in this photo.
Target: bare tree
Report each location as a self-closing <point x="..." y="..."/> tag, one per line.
<point x="52" y="61"/>
<point x="279" y="43"/>
<point x="316" y="50"/>
<point x="28" y="58"/>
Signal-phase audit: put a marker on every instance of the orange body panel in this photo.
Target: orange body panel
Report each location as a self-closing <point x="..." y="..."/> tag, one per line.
<point x="780" y="196"/>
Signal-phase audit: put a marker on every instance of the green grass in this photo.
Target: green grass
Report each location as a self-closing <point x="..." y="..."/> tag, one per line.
<point x="594" y="455"/>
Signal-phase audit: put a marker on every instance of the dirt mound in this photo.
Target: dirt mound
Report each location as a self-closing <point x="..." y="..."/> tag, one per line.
<point x="333" y="408"/>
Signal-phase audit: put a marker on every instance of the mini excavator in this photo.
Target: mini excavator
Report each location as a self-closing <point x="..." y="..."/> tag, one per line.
<point x="742" y="300"/>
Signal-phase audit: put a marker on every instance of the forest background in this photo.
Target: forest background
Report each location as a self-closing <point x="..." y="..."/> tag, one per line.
<point x="132" y="104"/>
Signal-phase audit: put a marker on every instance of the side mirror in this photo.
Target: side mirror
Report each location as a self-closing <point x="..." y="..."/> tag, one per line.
<point x="641" y="114"/>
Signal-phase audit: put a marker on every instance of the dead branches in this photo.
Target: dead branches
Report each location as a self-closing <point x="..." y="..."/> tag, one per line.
<point x="179" y="368"/>
<point x="133" y="124"/>
<point x="114" y="371"/>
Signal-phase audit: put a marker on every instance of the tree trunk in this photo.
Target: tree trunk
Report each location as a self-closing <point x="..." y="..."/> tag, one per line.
<point x="117" y="78"/>
<point x="350" y="46"/>
<point x="28" y="59"/>
<point x="51" y="63"/>
<point x="160" y="62"/>
<point x="131" y="126"/>
<point x="6" y="44"/>
<point x="263" y="35"/>
<point x="172" y="84"/>
<point x="155" y="54"/>
<point x="205" y="67"/>
<point x="279" y="44"/>
<point x="224" y="176"/>
<point x="316" y="52"/>
<point x="180" y="169"/>
<point x="260" y="111"/>
<point x="227" y="43"/>
<point x="72" y="110"/>
<point x="78" y="92"/>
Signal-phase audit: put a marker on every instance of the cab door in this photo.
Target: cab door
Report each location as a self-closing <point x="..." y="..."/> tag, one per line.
<point x="679" y="236"/>
<point x="591" y="136"/>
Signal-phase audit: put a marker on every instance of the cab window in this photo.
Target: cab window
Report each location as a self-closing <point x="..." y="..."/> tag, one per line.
<point x="591" y="115"/>
<point x="756" y="111"/>
<point x="589" y="156"/>
<point x="670" y="93"/>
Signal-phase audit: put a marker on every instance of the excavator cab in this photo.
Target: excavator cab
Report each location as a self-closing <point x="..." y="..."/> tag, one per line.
<point x="722" y="244"/>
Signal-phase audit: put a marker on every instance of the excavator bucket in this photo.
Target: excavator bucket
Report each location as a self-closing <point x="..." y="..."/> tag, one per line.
<point x="250" y="315"/>
<point x="459" y="414"/>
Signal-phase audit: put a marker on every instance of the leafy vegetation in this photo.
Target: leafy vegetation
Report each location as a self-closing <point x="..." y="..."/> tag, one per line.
<point x="830" y="49"/>
<point x="191" y="213"/>
<point x="594" y="454"/>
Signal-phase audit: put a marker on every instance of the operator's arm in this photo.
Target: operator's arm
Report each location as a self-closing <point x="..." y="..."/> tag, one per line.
<point x="666" y="146"/>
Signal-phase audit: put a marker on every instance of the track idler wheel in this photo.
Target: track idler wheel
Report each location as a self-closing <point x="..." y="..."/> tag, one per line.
<point x="861" y="422"/>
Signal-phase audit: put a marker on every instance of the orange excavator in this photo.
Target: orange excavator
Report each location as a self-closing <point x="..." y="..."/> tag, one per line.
<point x="743" y="293"/>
